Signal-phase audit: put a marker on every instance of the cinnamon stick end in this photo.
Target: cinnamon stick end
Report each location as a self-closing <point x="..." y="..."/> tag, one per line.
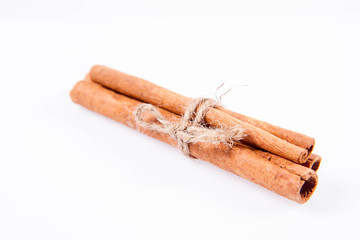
<point x="316" y="160"/>
<point x="304" y="156"/>
<point x="315" y="166"/>
<point x="313" y="162"/>
<point x="96" y="69"/>
<point x="310" y="148"/>
<point x="73" y="93"/>
<point x="308" y="187"/>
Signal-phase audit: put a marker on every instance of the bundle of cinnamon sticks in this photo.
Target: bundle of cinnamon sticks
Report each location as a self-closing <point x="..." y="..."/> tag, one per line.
<point x="275" y="158"/>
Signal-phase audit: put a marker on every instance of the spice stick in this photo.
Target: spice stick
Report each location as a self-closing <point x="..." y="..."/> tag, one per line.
<point x="148" y="92"/>
<point x="292" y="181"/>
<point x="298" y="139"/>
<point x="313" y="162"/>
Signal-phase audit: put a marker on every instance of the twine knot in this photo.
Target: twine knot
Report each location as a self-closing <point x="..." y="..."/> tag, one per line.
<point x="191" y="128"/>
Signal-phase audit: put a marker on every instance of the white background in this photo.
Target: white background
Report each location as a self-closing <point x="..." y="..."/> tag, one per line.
<point x="68" y="173"/>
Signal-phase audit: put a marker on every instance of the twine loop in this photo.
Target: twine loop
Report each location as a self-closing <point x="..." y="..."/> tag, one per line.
<point x="191" y="128"/>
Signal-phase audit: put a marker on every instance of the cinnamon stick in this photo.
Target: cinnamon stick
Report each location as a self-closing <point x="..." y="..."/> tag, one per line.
<point x="298" y="139"/>
<point x="292" y="181"/>
<point x="313" y="162"/>
<point x="148" y="92"/>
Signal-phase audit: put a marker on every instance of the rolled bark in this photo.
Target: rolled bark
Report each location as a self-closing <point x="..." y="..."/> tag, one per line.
<point x="298" y="139"/>
<point x="148" y="92"/>
<point x="292" y="181"/>
<point x="313" y="162"/>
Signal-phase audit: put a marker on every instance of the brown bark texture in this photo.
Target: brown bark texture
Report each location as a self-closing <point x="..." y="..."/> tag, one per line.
<point x="298" y="139"/>
<point x="313" y="162"/>
<point x="288" y="179"/>
<point x="148" y="92"/>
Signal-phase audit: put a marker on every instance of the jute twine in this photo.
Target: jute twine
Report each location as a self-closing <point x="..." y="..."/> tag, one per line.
<point x="191" y="128"/>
